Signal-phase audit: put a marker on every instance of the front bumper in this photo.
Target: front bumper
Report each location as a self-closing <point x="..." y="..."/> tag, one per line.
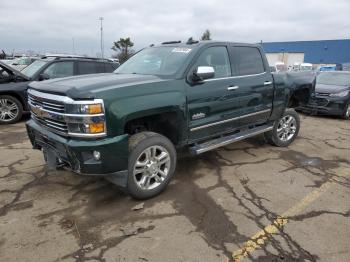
<point x="77" y="155"/>
<point x="326" y="106"/>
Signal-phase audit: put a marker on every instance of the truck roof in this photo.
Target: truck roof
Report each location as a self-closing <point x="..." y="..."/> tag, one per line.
<point x="193" y="43"/>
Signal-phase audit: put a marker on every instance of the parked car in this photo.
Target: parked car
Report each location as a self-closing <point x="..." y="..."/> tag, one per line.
<point x="327" y="68"/>
<point x="332" y="95"/>
<point x="343" y="67"/>
<point x="280" y="67"/>
<point x="13" y="84"/>
<point x="306" y="67"/>
<point x="22" y="62"/>
<point x="116" y="60"/>
<point x="296" y="66"/>
<point x="194" y="96"/>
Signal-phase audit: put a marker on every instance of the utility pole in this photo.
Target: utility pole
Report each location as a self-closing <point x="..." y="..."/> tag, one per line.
<point x="101" y="19"/>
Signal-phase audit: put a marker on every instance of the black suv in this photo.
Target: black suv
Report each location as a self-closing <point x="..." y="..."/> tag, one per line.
<point x="13" y="84"/>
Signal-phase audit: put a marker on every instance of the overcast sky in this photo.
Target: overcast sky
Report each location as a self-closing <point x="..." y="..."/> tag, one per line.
<point x="50" y="26"/>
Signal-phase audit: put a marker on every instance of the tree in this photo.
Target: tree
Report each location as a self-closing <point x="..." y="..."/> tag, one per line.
<point x="3" y="55"/>
<point x="123" y="47"/>
<point x="206" y="35"/>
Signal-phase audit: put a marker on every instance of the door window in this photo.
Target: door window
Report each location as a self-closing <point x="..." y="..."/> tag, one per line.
<point x="87" y="68"/>
<point x="247" y="61"/>
<point x="217" y="57"/>
<point x="60" y="69"/>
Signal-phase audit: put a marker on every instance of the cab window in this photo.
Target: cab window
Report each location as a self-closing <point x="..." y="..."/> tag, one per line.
<point x="246" y="60"/>
<point x="60" y="69"/>
<point x="217" y="57"/>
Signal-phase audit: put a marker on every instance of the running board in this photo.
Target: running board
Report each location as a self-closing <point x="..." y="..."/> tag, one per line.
<point x="228" y="139"/>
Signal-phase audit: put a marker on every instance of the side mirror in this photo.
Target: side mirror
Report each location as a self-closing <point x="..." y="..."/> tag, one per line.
<point x="43" y="77"/>
<point x="203" y="72"/>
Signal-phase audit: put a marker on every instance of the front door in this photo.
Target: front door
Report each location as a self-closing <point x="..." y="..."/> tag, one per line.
<point x="212" y="102"/>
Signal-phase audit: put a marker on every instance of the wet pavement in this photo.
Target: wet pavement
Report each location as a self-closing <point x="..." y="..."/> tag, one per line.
<point x="245" y="202"/>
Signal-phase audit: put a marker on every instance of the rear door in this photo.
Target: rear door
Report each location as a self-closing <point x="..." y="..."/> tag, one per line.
<point x="90" y="67"/>
<point x="253" y="82"/>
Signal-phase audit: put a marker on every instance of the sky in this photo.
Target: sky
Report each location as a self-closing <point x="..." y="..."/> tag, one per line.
<point x="52" y="26"/>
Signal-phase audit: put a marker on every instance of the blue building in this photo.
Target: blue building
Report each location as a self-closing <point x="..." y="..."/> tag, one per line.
<point x="314" y="52"/>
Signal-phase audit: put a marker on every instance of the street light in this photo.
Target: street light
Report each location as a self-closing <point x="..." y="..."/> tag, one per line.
<point x="101" y="19"/>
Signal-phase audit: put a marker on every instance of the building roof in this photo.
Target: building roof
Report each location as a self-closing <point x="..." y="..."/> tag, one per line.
<point x="316" y="52"/>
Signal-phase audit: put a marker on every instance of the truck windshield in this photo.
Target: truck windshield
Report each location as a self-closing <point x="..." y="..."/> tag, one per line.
<point x="33" y="68"/>
<point x="337" y="79"/>
<point x="162" y="61"/>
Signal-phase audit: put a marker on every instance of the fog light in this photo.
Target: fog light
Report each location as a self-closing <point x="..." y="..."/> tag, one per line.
<point x="96" y="128"/>
<point x="97" y="155"/>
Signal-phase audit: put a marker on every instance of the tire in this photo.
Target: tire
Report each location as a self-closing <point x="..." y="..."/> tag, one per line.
<point x="11" y="109"/>
<point x="285" y="129"/>
<point x="346" y="114"/>
<point x="150" y="176"/>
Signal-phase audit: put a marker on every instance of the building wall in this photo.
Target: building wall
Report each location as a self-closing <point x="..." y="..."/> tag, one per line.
<point x="316" y="52"/>
<point x="287" y="58"/>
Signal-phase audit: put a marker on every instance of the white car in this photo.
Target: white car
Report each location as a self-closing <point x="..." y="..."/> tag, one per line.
<point x="21" y="62"/>
<point x="306" y="67"/>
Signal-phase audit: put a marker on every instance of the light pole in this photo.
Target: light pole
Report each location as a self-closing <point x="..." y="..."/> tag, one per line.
<point x="101" y="19"/>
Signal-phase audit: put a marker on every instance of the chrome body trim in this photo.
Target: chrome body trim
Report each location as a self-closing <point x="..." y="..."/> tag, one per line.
<point x="229" y="120"/>
<point x="230" y="88"/>
<point x="232" y="77"/>
<point x="228" y="140"/>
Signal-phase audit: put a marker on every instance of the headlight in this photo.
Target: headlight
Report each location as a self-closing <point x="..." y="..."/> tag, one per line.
<point x="86" y="118"/>
<point x="340" y="94"/>
<point x="88" y="129"/>
<point x="85" y="109"/>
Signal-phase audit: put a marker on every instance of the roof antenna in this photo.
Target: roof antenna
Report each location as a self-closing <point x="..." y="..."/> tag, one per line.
<point x="190" y="41"/>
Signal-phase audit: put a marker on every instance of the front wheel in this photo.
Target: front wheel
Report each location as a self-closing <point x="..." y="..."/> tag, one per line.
<point x="152" y="162"/>
<point x="11" y="109"/>
<point x="285" y="130"/>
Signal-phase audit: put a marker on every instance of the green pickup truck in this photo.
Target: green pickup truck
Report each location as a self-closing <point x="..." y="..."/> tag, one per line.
<point x="128" y="126"/>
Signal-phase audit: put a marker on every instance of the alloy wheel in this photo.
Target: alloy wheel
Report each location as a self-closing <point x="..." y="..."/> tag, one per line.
<point x="287" y="127"/>
<point x="151" y="167"/>
<point x="8" y="110"/>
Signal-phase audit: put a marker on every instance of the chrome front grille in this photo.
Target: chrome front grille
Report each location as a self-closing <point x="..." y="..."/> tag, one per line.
<point x="57" y="126"/>
<point x="46" y="104"/>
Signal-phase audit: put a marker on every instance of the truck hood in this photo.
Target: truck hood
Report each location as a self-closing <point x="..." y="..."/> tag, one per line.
<point x="86" y="86"/>
<point x="330" y="89"/>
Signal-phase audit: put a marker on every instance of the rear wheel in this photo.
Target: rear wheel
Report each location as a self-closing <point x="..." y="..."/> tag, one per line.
<point x="346" y="114"/>
<point x="285" y="130"/>
<point x="152" y="162"/>
<point x="11" y="109"/>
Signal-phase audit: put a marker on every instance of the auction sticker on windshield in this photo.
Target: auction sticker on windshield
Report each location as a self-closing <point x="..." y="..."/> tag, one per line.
<point x="181" y="50"/>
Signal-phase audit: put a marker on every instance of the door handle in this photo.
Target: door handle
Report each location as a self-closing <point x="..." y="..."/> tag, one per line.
<point x="267" y="83"/>
<point x="230" y="88"/>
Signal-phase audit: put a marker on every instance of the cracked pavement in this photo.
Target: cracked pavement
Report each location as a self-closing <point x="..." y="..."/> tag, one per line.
<point x="213" y="207"/>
